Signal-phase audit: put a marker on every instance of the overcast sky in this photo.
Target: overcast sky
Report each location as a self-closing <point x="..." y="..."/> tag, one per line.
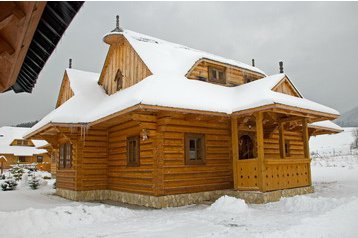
<point x="318" y="43"/>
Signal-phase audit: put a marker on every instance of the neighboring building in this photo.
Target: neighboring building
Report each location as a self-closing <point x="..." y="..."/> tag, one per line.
<point x="17" y="150"/>
<point x="29" y="33"/>
<point x="167" y="125"/>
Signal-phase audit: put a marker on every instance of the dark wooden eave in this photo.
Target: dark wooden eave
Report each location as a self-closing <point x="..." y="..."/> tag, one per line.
<point x="38" y="34"/>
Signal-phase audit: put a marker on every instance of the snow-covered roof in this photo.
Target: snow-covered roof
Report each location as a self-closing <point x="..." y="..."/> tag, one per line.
<point x="327" y="125"/>
<point x="168" y="87"/>
<point x="163" y="57"/>
<point x="8" y="134"/>
<point x="90" y="102"/>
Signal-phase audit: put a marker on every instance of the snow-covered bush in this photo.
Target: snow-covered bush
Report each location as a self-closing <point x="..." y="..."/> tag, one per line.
<point x="8" y="184"/>
<point x="34" y="182"/>
<point x="228" y="204"/>
<point x="17" y="172"/>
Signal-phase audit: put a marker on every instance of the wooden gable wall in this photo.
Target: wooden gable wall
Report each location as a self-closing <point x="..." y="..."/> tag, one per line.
<point x="234" y="75"/>
<point x="122" y="56"/>
<point x="287" y="88"/>
<point x="65" y="91"/>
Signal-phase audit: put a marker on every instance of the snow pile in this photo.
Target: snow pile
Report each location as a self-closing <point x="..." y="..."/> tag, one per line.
<point x="46" y="220"/>
<point x="310" y="204"/>
<point x="229" y="204"/>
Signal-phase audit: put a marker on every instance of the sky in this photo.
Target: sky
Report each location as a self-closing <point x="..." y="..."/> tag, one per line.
<point x="317" y="41"/>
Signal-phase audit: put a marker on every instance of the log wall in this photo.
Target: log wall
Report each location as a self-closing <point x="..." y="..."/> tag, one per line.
<point x="122" y="56"/>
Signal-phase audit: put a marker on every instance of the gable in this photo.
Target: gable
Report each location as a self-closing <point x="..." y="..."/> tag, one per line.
<point x="233" y="75"/>
<point x="122" y="59"/>
<point x="286" y="87"/>
<point x="65" y="91"/>
<point x="19" y="142"/>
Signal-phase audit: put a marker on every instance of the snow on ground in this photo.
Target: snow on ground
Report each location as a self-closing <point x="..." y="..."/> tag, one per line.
<point x="329" y="212"/>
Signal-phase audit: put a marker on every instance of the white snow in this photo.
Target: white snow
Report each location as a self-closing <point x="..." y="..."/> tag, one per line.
<point x="8" y="134"/>
<point x="329" y="212"/>
<point x="91" y="103"/>
<point x="333" y="145"/>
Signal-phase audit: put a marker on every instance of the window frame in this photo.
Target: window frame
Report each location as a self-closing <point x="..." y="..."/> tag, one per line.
<point x="217" y="73"/>
<point x="136" y="161"/>
<point x="187" y="138"/>
<point x="119" y="80"/>
<point x="39" y="157"/>
<point x="22" y="158"/>
<point x="65" y="156"/>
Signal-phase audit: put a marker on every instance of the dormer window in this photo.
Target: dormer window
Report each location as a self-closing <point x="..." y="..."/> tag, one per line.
<point x="216" y="75"/>
<point x="248" y="79"/>
<point x="119" y="80"/>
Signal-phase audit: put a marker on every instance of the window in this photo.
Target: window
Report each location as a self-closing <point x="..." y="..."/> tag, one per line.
<point x="248" y="79"/>
<point x="40" y="159"/>
<point x="133" y="151"/>
<point x="216" y="75"/>
<point x="287" y="148"/>
<point x="65" y="160"/>
<point x="194" y="149"/>
<point x="119" y="80"/>
<point x="246" y="147"/>
<point x="22" y="159"/>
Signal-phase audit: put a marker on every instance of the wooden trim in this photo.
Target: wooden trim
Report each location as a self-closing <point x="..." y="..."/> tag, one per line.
<point x="187" y="138"/>
<point x="287" y="161"/>
<point x="281" y="108"/>
<point x="235" y="149"/>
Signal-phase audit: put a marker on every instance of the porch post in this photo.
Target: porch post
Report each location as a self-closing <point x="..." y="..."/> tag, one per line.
<point x="306" y="147"/>
<point x="235" y="149"/>
<point x="260" y="150"/>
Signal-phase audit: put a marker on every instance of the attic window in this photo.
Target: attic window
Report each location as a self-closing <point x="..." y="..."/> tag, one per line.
<point x="216" y="75"/>
<point x="248" y="79"/>
<point x="119" y="80"/>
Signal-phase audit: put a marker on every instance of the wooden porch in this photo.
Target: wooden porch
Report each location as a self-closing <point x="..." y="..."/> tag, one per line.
<point x="280" y="157"/>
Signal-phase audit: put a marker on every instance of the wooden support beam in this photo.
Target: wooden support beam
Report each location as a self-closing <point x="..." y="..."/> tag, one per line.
<point x="5" y="47"/>
<point x="305" y="136"/>
<point x="281" y="130"/>
<point x="260" y="151"/>
<point x="235" y="150"/>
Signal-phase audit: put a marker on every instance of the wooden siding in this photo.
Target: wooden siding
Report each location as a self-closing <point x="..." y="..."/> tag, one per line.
<point x="12" y="159"/>
<point x="181" y="178"/>
<point x="126" y="178"/>
<point x="65" y="91"/>
<point x="122" y="56"/>
<point x="92" y="156"/>
<point x="234" y="75"/>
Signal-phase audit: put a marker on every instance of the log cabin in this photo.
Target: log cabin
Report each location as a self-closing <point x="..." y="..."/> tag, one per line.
<point x="166" y="125"/>
<point x="14" y="149"/>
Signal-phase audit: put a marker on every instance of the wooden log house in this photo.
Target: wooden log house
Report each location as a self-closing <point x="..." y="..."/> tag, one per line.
<point x="166" y="125"/>
<point x="14" y="149"/>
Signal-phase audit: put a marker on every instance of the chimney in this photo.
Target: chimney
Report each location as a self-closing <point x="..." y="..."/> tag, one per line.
<point x="281" y="67"/>
<point x="253" y="62"/>
<point x="115" y="35"/>
<point x="70" y="63"/>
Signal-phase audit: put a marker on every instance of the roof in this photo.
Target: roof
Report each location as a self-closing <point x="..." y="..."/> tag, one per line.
<point x="327" y="125"/>
<point x="163" y="57"/>
<point x="90" y="102"/>
<point x="55" y="19"/>
<point x="8" y="134"/>
<point x="168" y="87"/>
